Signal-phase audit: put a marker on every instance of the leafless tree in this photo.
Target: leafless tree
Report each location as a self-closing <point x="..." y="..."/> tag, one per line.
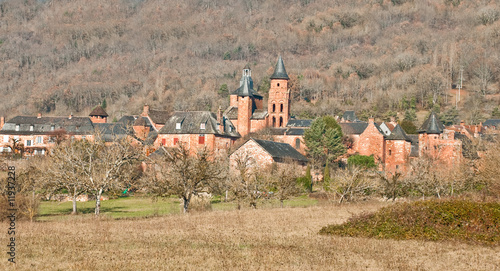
<point x="283" y="180"/>
<point x="247" y="183"/>
<point x="181" y="173"/>
<point x="352" y="184"/>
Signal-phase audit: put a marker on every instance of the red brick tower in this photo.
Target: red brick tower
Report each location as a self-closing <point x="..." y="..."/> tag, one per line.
<point x="247" y="100"/>
<point x="397" y="151"/>
<point x="98" y="115"/>
<point x="279" y="97"/>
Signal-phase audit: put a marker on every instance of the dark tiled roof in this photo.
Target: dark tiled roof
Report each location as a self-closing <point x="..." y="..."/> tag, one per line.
<point x="414" y="145"/>
<point x="98" y="111"/>
<point x="492" y="122"/>
<point x="299" y="123"/>
<point x="246" y="88"/>
<point x="113" y="131"/>
<point x="29" y="125"/>
<point x="295" y="131"/>
<point x="468" y="150"/>
<point x="159" y="116"/>
<point x="398" y="134"/>
<point x="277" y="131"/>
<point x="280" y="151"/>
<point x="350" y="116"/>
<point x="151" y="138"/>
<point x="127" y="120"/>
<point x="231" y="113"/>
<point x="259" y="114"/>
<point x="191" y="123"/>
<point x="432" y="125"/>
<point x="279" y="70"/>
<point x="353" y="128"/>
<point x="143" y="121"/>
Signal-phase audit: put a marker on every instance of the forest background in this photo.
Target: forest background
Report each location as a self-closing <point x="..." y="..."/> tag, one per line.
<point x="376" y="56"/>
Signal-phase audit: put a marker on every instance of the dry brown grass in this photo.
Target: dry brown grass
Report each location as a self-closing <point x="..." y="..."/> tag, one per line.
<point x="267" y="239"/>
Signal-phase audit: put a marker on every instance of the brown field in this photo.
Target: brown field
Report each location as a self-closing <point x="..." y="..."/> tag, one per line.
<point x="267" y="239"/>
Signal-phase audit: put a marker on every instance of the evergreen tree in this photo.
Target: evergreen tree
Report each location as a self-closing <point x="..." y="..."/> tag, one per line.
<point x="306" y="181"/>
<point x="326" y="178"/>
<point x="450" y="116"/>
<point x="223" y="90"/>
<point x="324" y="140"/>
<point x="410" y="115"/>
<point x="104" y="104"/>
<point x="408" y="126"/>
<point x="495" y="113"/>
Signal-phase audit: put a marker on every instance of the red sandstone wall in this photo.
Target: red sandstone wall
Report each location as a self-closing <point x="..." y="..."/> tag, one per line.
<point x="371" y="142"/>
<point x="244" y="115"/>
<point x="279" y="94"/>
<point x="257" y="125"/>
<point x="397" y="154"/>
<point x="233" y="100"/>
<point x="290" y="139"/>
<point x="259" y="155"/>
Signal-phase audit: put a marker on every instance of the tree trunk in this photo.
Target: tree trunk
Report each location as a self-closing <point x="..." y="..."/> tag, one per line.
<point x="281" y="201"/>
<point x="74" y="202"/>
<point x="98" y="202"/>
<point x="186" y="205"/>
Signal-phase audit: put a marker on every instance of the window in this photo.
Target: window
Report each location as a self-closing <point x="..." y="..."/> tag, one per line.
<point x="5" y="138"/>
<point x="201" y="139"/>
<point x="230" y="129"/>
<point x="281" y="121"/>
<point x="31" y="128"/>
<point x="164" y="141"/>
<point x="390" y="152"/>
<point x="274" y="108"/>
<point x="297" y="143"/>
<point x="39" y="140"/>
<point x="176" y="140"/>
<point x="274" y="121"/>
<point x="178" y="126"/>
<point x="52" y="127"/>
<point x="17" y="127"/>
<point x="28" y="143"/>
<point x="202" y="126"/>
<point x="278" y="84"/>
<point x="281" y="107"/>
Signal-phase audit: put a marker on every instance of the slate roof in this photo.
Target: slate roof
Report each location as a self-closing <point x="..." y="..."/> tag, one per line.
<point x="44" y="125"/>
<point x="353" y="128"/>
<point x="299" y="123"/>
<point x="232" y="113"/>
<point x="414" y="145"/>
<point x="398" y="134"/>
<point x="468" y="150"/>
<point x="246" y="88"/>
<point x="98" y="111"/>
<point x="350" y="116"/>
<point x="279" y="70"/>
<point x="113" y="131"/>
<point x="159" y="116"/>
<point x="280" y="151"/>
<point x="295" y="131"/>
<point x="191" y="124"/>
<point x="492" y="122"/>
<point x="432" y="125"/>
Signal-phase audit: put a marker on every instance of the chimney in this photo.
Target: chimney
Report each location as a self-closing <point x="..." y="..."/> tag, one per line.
<point x="39" y="115"/>
<point x="371" y="120"/>
<point x="462" y="123"/>
<point x="2" y="122"/>
<point x="220" y="120"/>
<point x="145" y="111"/>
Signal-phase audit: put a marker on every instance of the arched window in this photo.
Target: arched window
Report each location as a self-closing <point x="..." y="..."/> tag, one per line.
<point x="274" y="108"/>
<point x="281" y="121"/>
<point x="297" y="143"/>
<point x="274" y="121"/>
<point x="278" y="84"/>
<point x="281" y="107"/>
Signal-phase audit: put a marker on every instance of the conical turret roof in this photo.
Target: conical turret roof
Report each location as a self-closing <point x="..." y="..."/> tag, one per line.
<point x="246" y="88"/>
<point x="432" y="125"/>
<point x="279" y="71"/>
<point x="98" y="111"/>
<point x="398" y="134"/>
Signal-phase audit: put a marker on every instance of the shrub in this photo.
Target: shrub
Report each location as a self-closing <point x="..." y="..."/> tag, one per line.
<point x="363" y="161"/>
<point x="454" y="219"/>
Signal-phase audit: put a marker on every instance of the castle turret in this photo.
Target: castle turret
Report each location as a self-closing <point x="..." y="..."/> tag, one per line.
<point x="279" y="96"/>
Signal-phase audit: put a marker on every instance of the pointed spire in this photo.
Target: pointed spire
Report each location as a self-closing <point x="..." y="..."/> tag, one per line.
<point x="432" y="125"/>
<point x="398" y="134"/>
<point x="279" y="71"/>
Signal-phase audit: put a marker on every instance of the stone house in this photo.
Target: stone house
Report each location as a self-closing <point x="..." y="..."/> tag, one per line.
<point x="198" y="129"/>
<point x="264" y="153"/>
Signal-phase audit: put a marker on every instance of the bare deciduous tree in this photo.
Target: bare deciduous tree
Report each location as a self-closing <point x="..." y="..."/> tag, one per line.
<point x="246" y="182"/>
<point x="178" y="172"/>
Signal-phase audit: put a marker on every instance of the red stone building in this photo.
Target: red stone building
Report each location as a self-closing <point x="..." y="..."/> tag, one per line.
<point x="198" y="129"/>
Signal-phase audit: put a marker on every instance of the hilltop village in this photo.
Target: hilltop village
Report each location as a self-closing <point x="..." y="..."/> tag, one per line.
<point x="237" y="128"/>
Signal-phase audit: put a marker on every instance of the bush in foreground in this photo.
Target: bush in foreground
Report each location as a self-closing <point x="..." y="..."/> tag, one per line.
<point x="455" y="220"/>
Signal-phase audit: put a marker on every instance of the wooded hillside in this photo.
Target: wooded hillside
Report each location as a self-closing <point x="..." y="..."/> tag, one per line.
<point x="58" y="57"/>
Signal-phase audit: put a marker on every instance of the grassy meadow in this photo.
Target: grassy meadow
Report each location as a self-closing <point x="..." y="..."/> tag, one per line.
<point x="225" y="239"/>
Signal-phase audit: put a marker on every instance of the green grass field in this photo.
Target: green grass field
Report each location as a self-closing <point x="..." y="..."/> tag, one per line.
<point x="139" y="206"/>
